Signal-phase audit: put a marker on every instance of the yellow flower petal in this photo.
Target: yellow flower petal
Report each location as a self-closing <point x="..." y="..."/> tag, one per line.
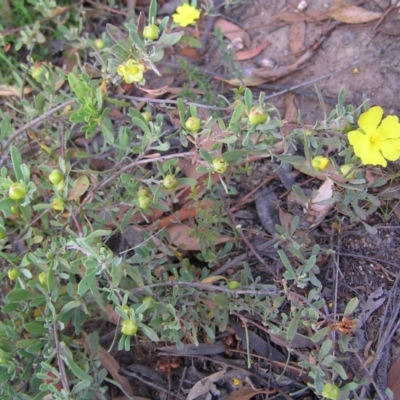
<point x="361" y="143"/>
<point x="185" y="15"/>
<point x="374" y="157"/>
<point x="389" y="128"/>
<point x="121" y="70"/>
<point x="390" y="149"/>
<point x="131" y="71"/>
<point x="370" y="119"/>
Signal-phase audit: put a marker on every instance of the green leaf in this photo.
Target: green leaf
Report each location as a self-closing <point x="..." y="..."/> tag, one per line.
<point x="190" y="41"/>
<point x="96" y="234"/>
<point x="321" y="334"/>
<point x="119" y="37"/>
<point x="293" y="326"/>
<point x="22" y="295"/>
<point x="16" y="162"/>
<point x="339" y="369"/>
<point x="137" y="41"/>
<point x="326" y="347"/>
<point x="206" y="156"/>
<point x="153" y="11"/>
<point x="351" y="306"/>
<point x="221" y="301"/>
<point x="233" y="155"/>
<point x="77" y="371"/>
<point x="152" y="335"/>
<point x="140" y="122"/>
<point x="169" y="40"/>
<point x="187" y="181"/>
<point x="87" y="283"/>
<point x="134" y="273"/>
<point x="24" y="343"/>
<point x="237" y="113"/>
<point x="36" y="328"/>
<point x="25" y="173"/>
<point x="286" y="262"/>
<point x="69" y="306"/>
<point x="107" y="130"/>
<point x="248" y="99"/>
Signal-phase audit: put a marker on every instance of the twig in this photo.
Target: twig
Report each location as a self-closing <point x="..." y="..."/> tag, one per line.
<point x="235" y="263"/>
<point x="166" y="101"/>
<point x="31" y="124"/>
<point x="60" y="361"/>
<point x="249" y="245"/>
<point x="205" y="287"/>
<point x="109" y="9"/>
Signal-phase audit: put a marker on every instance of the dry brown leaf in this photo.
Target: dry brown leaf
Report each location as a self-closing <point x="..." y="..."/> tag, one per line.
<point x="299" y="17"/>
<point x="211" y="279"/>
<point x="245" y="81"/>
<point x="291" y="113"/>
<point x="249" y="54"/>
<point x="238" y="37"/>
<point x="325" y="192"/>
<point x="111" y="365"/>
<point x="8" y="90"/>
<point x="245" y="393"/>
<point x="112" y="316"/>
<point x="285" y="218"/>
<point x="349" y="14"/>
<point x="297" y="37"/>
<point x="180" y="236"/>
<point x="190" y="52"/>
<point x="155" y="92"/>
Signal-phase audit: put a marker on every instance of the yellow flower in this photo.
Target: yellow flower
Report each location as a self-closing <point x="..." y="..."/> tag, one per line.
<point x="320" y="163"/>
<point x="131" y="71"/>
<point x="376" y="140"/>
<point x="186" y="15"/>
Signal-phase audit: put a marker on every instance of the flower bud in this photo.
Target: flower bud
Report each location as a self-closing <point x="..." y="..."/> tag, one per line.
<point x="17" y="191"/>
<point x="320" y="163"/>
<point x="219" y="165"/>
<point x="56" y="177"/>
<point x="151" y="32"/>
<point x="13" y="274"/>
<point x="57" y="204"/>
<point x="14" y="209"/>
<point x="37" y="72"/>
<point x="170" y="182"/>
<point x="44" y="278"/>
<point x="257" y="116"/>
<point x="149" y="301"/>
<point x="344" y="169"/>
<point x="144" y="202"/>
<point x="146" y="115"/>
<point x="99" y="44"/>
<point x="233" y="285"/>
<point x="129" y="328"/>
<point x="193" y="124"/>
<point x="331" y="391"/>
<point x="125" y="308"/>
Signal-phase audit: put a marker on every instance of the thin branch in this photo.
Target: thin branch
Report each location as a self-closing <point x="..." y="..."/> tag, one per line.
<point x="249" y="245"/>
<point x="167" y="101"/>
<point x="31" y="124"/>
<point x="205" y="287"/>
<point x="60" y="362"/>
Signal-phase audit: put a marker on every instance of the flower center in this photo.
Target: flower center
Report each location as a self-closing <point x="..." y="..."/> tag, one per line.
<point x="132" y="70"/>
<point x="375" y="138"/>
